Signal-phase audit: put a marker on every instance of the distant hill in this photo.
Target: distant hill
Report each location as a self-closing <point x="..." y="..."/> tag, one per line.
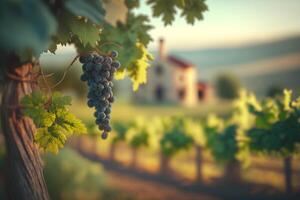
<point x="240" y="55"/>
<point x="259" y="66"/>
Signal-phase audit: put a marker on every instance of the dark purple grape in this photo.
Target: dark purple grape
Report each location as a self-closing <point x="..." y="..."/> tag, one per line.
<point x="98" y="59"/>
<point x="111" y="99"/>
<point x="90" y="103"/>
<point x="101" y="115"/>
<point x="108" y="110"/>
<point x="114" y="54"/>
<point x="104" y="135"/>
<point x="107" y="128"/>
<point x="116" y="64"/>
<point x="85" y="58"/>
<point x="108" y="60"/>
<point x="84" y="77"/>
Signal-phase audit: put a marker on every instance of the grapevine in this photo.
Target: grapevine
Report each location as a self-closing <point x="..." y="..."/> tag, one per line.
<point x="98" y="73"/>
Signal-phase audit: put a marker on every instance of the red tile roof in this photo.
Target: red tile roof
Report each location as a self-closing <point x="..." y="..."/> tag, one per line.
<point x="202" y="85"/>
<point x="178" y="62"/>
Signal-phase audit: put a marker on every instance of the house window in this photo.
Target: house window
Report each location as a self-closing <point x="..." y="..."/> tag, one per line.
<point x="159" y="70"/>
<point x="159" y="93"/>
<point x="200" y="94"/>
<point x="181" y="94"/>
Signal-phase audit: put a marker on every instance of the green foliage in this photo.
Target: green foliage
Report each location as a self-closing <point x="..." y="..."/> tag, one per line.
<point x="194" y="129"/>
<point x="227" y="86"/>
<point x="132" y="3"/>
<point x="35" y="22"/>
<point x="131" y="38"/>
<point x="120" y="132"/>
<point x="190" y="9"/>
<point x="80" y="31"/>
<point x="138" y="135"/>
<point x="175" y="138"/>
<point x="91" y="9"/>
<point x="54" y="121"/>
<point x="244" y="120"/>
<point x="70" y="176"/>
<point x="137" y="71"/>
<point x="222" y="140"/>
<point x="277" y="125"/>
<point x="142" y="132"/>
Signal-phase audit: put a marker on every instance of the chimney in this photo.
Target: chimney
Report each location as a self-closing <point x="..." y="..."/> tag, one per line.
<point x="162" y="50"/>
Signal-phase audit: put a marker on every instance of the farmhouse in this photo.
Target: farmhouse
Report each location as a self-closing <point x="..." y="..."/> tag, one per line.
<point x="172" y="80"/>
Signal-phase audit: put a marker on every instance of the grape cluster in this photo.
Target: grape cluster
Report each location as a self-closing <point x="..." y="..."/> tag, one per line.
<point x="98" y="72"/>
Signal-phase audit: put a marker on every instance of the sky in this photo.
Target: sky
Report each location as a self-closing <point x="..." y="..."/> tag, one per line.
<point x="229" y="23"/>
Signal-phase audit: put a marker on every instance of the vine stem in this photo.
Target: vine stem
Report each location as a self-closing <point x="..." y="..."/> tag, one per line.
<point x="65" y="72"/>
<point x="113" y="43"/>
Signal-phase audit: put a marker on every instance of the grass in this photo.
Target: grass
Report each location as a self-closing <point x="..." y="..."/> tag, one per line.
<point x="126" y="111"/>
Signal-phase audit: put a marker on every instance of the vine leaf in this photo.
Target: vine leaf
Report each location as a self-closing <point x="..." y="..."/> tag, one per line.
<point x="54" y="121"/>
<point x="91" y="9"/>
<point x="83" y="33"/>
<point x="192" y="10"/>
<point x="138" y="68"/>
<point x="86" y="32"/>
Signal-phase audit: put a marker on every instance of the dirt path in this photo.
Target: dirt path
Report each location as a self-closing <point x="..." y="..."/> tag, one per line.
<point x="146" y="190"/>
<point x="148" y="186"/>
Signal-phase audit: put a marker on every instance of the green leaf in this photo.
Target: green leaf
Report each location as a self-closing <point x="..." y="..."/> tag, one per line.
<point x="137" y="71"/>
<point x="91" y="9"/>
<point x="139" y="23"/>
<point x="192" y="10"/>
<point x="59" y="101"/>
<point x="86" y="32"/>
<point x="54" y="121"/>
<point x="166" y="9"/>
<point x="132" y="3"/>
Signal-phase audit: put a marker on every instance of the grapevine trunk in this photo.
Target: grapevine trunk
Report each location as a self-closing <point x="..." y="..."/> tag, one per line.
<point x="199" y="161"/>
<point x="134" y="157"/>
<point x="164" y="164"/>
<point x="24" y="166"/>
<point x="287" y="162"/>
<point x="233" y="172"/>
<point x="112" y="151"/>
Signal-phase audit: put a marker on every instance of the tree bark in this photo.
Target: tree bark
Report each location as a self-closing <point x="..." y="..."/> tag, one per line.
<point x="24" y="166"/>
<point x="287" y="162"/>
<point x="199" y="163"/>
